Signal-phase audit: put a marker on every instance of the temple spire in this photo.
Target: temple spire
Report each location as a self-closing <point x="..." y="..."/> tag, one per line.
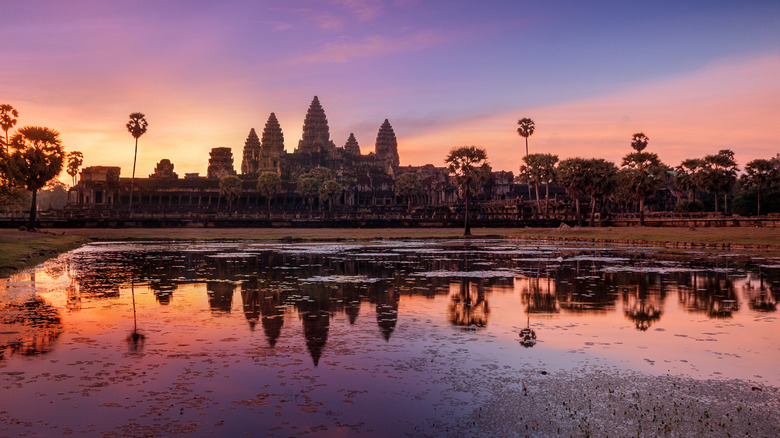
<point x="316" y="133"/>
<point x="252" y="150"/>
<point x="273" y="138"/>
<point x="351" y="147"/>
<point x="387" y="145"/>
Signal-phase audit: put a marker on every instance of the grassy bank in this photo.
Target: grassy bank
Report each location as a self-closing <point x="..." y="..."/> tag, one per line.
<point x="21" y="249"/>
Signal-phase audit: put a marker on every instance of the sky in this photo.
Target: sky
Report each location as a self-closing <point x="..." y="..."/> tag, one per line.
<point x="694" y="76"/>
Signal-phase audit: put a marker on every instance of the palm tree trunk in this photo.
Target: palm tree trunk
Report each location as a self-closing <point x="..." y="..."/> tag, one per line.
<point x="716" y="201"/>
<point x="758" y="201"/>
<point x="33" y="209"/>
<point x="592" y="211"/>
<point x="547" y="198"/>
<point x="726" y="202"/>
<point x="132" y="179"/>
<point x="538" y="202"/>
<point x="579" y="216"/>
<point x="466" y="226"/>
<point x="642" y="211"/>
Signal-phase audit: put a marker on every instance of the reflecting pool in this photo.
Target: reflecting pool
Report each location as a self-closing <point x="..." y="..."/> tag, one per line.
<point x="383" y="338"/>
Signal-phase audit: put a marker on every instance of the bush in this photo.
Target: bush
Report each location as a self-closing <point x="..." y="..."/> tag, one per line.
<point x="686" y="206"/>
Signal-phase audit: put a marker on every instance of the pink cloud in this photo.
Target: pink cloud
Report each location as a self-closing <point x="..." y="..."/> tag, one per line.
<point x="733" y="104"/>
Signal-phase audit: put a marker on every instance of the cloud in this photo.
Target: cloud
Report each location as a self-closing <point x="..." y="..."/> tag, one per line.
<point x="732" y="104"/>
<point x="368" y="47"/>
<point x="363" y="10"/>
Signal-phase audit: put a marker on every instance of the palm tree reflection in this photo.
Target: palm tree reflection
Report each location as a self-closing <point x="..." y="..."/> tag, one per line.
<point x="468" y="310"/>
<point x="135" y="340"/>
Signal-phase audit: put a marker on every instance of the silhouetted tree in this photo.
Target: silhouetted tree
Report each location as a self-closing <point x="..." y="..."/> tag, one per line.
<point x="75" y="160"/>
<point x="269" y="184"/>
<point x="230" y="189"/>
<point x="759" y="173"/>
<point x="720" y="174"/>
<point x="8" y="115"/>
<point x="525" y="130"/>
<point x="37" y="157"/>
<point x="408" y="185"/>
<point x="644" y="172"/>
<point x="574" y="175"/>
<point x="137" y="127"/>
<point x="690" y="176"/>
<point x="468" y="167"/>
<point x="539" y="168"/>
<point x="330" y="190"/>
<point x="308" y="187"/>
<point x="601" y="182"/>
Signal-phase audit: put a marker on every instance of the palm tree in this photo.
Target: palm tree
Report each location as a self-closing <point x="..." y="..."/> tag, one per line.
<point x="539" y="168"/>
<point x="75" y="160"/>
<point x="8" y="115"/>
<point x="525" y="130"/>
<point x="574" y="175"/>
<point x="468" y="167"/>
<point x="721" y="173"/>
<point x="137" y="127"/>
<point x="269" y="184"/>
<point x="230" y="188"/>
<point x="639" y="141"/>
<point x="408" y="185"/>
<point x="643" y="173"/>
<point x="330" y="190"/>
<point x="37" y="158"/>
<point x="758" y="174"/>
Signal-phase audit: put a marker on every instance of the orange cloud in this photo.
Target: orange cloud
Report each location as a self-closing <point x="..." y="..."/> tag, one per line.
<point x="734" y="104"/>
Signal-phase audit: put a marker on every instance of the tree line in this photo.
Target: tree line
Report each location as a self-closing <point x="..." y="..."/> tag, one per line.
<point x="30" y="159"/>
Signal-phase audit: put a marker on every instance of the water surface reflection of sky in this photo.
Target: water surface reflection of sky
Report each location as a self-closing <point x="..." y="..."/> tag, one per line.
<point x="251" y="324"/>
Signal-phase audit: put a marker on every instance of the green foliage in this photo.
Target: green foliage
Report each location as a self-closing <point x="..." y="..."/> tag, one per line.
<point x="686" y="206"/>
<point x="321" y="174"/>
<point x="720" y="174"/>
<point x="469" y="170"/>
<point x="690" y="175"/>
<point x="330" y="190"/>
<point x="269" y="184"/>
<point x="408" y="185"/>
<point x="230" y="188"/>
<point x="760" y="174"/>
<point x="37" y="157"/>
<point x="309" y="187"/>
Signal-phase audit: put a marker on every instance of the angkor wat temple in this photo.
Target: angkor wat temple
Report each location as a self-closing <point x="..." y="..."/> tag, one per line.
<point x="367" y="180"/>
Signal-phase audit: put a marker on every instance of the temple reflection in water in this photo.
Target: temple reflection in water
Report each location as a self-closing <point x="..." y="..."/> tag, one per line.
<point x="273" y="285"/>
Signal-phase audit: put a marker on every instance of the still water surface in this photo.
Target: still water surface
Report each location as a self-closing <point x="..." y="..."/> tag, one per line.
<point x="383" y="338"/>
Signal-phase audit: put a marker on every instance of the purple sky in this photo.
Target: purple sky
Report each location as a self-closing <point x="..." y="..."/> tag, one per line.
<point x="695" y="76"/>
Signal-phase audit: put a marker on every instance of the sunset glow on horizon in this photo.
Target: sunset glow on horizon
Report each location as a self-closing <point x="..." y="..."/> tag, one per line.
<point x="695" y="77"/>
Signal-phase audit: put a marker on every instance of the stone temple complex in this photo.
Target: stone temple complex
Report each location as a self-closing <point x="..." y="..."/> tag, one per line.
<point x="367" y="181"/>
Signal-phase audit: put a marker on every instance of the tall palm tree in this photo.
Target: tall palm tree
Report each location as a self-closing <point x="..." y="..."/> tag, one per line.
<point x="468" y="167"/>
<point x="37" y="158"/>
<point x="8" y="115"/>
<point x="137" y="127"/>
<point x="525" y="130"/>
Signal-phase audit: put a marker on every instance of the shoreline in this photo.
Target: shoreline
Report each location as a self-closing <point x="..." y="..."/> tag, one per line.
<point x="22" y="249"/>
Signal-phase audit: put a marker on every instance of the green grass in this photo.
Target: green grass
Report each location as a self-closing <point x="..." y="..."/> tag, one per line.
<point x="19" y="249"/>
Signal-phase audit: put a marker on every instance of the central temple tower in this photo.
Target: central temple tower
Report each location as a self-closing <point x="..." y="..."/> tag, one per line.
<point x="316" y="133"/>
